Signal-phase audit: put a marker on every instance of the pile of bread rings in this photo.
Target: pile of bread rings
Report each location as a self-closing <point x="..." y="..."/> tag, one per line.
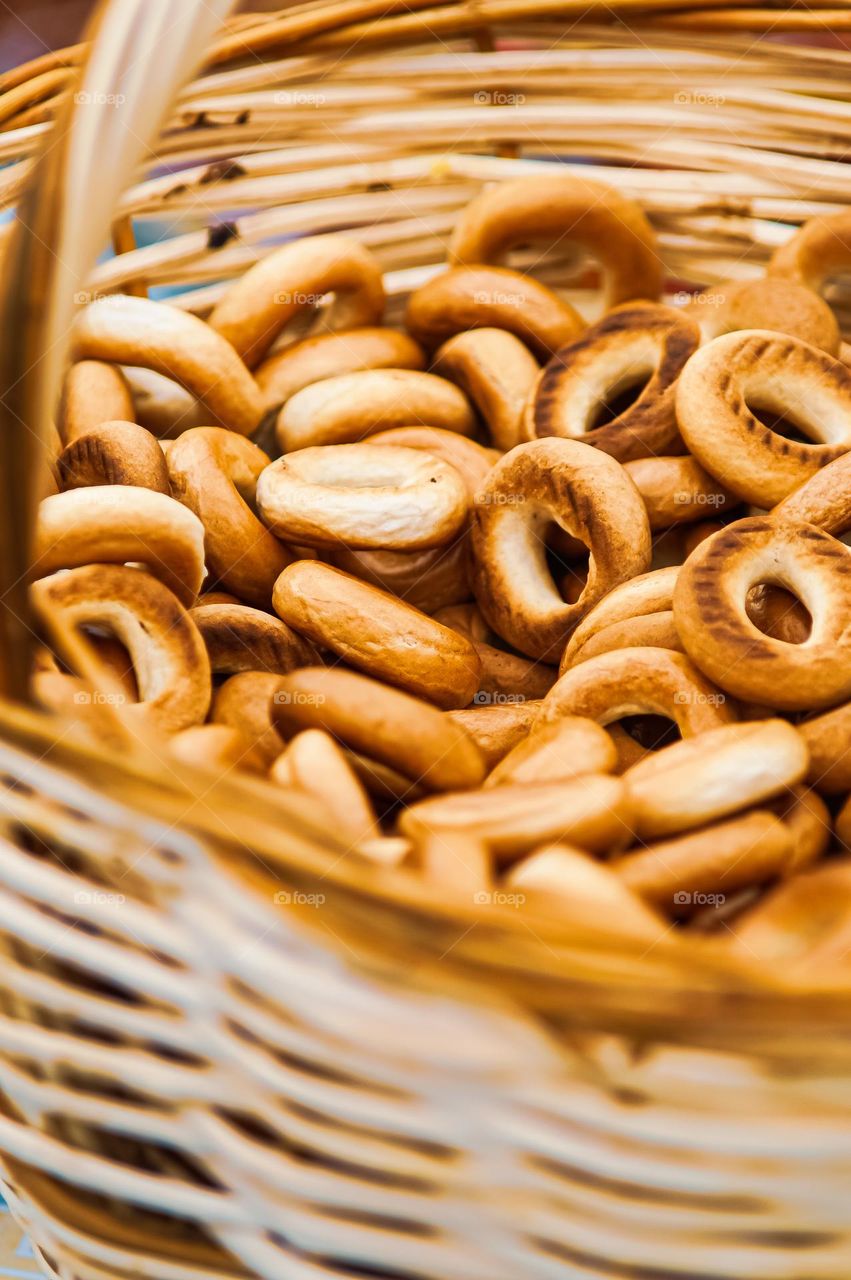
<point x="531" y="606"/>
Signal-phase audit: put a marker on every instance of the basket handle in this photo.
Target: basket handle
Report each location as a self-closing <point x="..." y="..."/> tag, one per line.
<point x="140" y="52"/>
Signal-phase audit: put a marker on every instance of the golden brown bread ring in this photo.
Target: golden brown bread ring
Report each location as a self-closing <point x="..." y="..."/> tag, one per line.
<point x="122" y="523"/>
<point x="821" y="248"/>
<point x="428" y="580"/>
<point x="805" y="922"/>
<point x="168" y="654"/>
<point x="386" y="724"/>
<point x="824" y="500"/>
<point x="161" y="405"/>
<point x="555" y="751"/>
<point x="313" y="763"/>
<point x="377" y="634"/>
<point x="244" y="702"/>
<point x="363" y="495"/>
<point x="263" y="301"/>
<point x="711" y="615"/>
<point x="502" y="673"/>
<point x="585" y="492"/>
<point x="632" y="345"/>
<point x="137" y="331"/>
<point x="582" y="888"/>
<point x="704" y="867"/>
<point x="641" y="597"/>
<point x="216" y="746"/>
<point x="755" y="370"/>
<point x="239" y="638"/>
<point x="214" y="473"/>
<point x="471" y="460"/>
<point x="635" y="682"/>
<point x="564" y="209"/>
<point x="828" y="739"/>
<point x="482" y="297"/>
<point x="329" y="354"/>
<point x="807" y="819"/>
<point x="354" y="406"/>
<point x="496" y="727"/>
<point x="497" y="372"/>
<point x="592" y="812"/>
<point x="716" y="774"/>
<point x="677" y="490"/>
<point x="653" y="630"/>
<point x="783" y="306"/>
<point x="93" y="392"/>
<point x="114" y="453"/>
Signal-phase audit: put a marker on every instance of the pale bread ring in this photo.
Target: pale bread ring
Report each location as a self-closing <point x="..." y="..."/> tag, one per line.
<point x="783" y="306"/>
<point x="167" y="652"/>
<point x="377" y="634"/>
<point x="93" y="392"/>
<point x="239" y="638"/>
<point x="364" y="495"/>
<point x="564" y="209"/>
<point x="327" y="355"/>
<point x="244" y="702"/>
<point x="262" y="302"/>
<point x="568" y="881"/>
<point x="497" y="372"/>
<point x="586" y="493"/>
<point x="350" y="407"/>
<point x="555" y="751"/>
<point x="114" y="453"/>
<point x="632" y="344"/>
<point x="710" y="612"/>
<point x="119" y="524"/>
<point x="483" y="297"/>
<point x="472" y="461"/>
<point x="778" y="375"/>
<point x="214" y="473"/>
<point x="216" y="746"/>
<point x="137" y="331"/>
<point x="313" y="763"/>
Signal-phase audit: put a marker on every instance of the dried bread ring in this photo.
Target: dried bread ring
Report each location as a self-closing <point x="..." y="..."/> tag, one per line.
<point x="483" y="297"/>
<point x="586" y="493"/>
<point x="244" y="702"/>
<point x="824" y="500"/>
<point x="635" y="682"/>
<point x="738" y="375"/>
<point x="428" y="580"/>
<point x="828" y="739"/>
<point x="710" y="612"/>
<point x="313" y="763"/>
<point x="570" y="882"/>
<point x="677" y="490"/>
<point x="564" y="208"/>
<point x="214" y="473"/>
<point x="818" y="250"/>
<point x="327" y="355"/>
<point x="807" y="819"/>
<point x="502" y="673"/>
<point x="784" y="306"/>
<point x="239" y="638"/>
<point x="641" y="597"/>
<point x="497" y="725"/>
<point x="119" y="524"/>
<point x="167" y="652"/>
<point x="497" y="372"/>
<point x="471" y="460"/>
<point x="216" y="746"/>
<point x="805" y="922"/>
<point x="377" y="633"/>
<point x="114" y="453"/>
<point x="93" y="392"/>
<point x="635" y="345"/>
<point x="364" y="495"/>
<point x="161" y="405"/>
<point x="555" y="751"/>
<point x="354" y="406"/>
<point x="386" y="724"/>
<point x="714" y="775"/>
<point x="653" y="631"/>
<point x="263" y="301"/>
<point x="137" y="331"/>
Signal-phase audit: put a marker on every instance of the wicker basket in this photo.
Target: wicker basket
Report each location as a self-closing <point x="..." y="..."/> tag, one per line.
<point x="224" y="1050"/>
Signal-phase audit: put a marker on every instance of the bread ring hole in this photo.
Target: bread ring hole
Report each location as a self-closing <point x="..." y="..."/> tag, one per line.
<point x="115" y="656"/>
<point x="784" y="423"/>
<point x="778" y="613"/>
<point x="619" y="398"/>
<point x="651" y="732"/>
<point x="567" y="560"/>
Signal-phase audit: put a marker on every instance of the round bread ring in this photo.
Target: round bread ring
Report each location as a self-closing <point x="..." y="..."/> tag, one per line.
<point x="364" y="495"/>
<point x="384" y="724"/>
<point x="353" y="406"/>
<point x="783" y="306"/>
<point x="378" y="634"/>
<point x="821" y="248"/>
<point x="828" y="739"/>
<point x="121" y="523"/>
<point x="641" y="597"/>
<point x="553" y="752"/>
<point x="214" y="473"/>
<point x="244" y="702"/>
<point x="564" y="208"/>
<point x="781" y="374"/>
<point x="239" y="638"/>
<point x="329" y="354"/>
<point x="313" y="763"/>
<point x="482" y="297"/>
<point x="582" y="888"/>
<point x="824" y="500"/>
<point x="634" y="343"/>
<point x="654" y="630"/>
<point x="93" y="392"/>
<point x="807" y="819"/>
<point x="716" y="774"/>
<point x="137" y="331"/>
<point x="676" y="490"/>
<point x="591" y="812"/>
<point x="502" y="673"/>
<point x="585" y="492"/>
<point x="263" y="301"/>
<point x="168" y="655"/>
<point x="496" y="727"/>
<point x="711" y="617"/>
<point x="497" y="372"/>
<point x="472" y="461"/>
<point x="161" y="405"/>
<point x="715" y="861"/>
<point x="635" y="682"/>
<point x="114" y="453"/>
<point x="427" y="580"/>
<point x="218" y="747"/>
<point x="805" y="922"/>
